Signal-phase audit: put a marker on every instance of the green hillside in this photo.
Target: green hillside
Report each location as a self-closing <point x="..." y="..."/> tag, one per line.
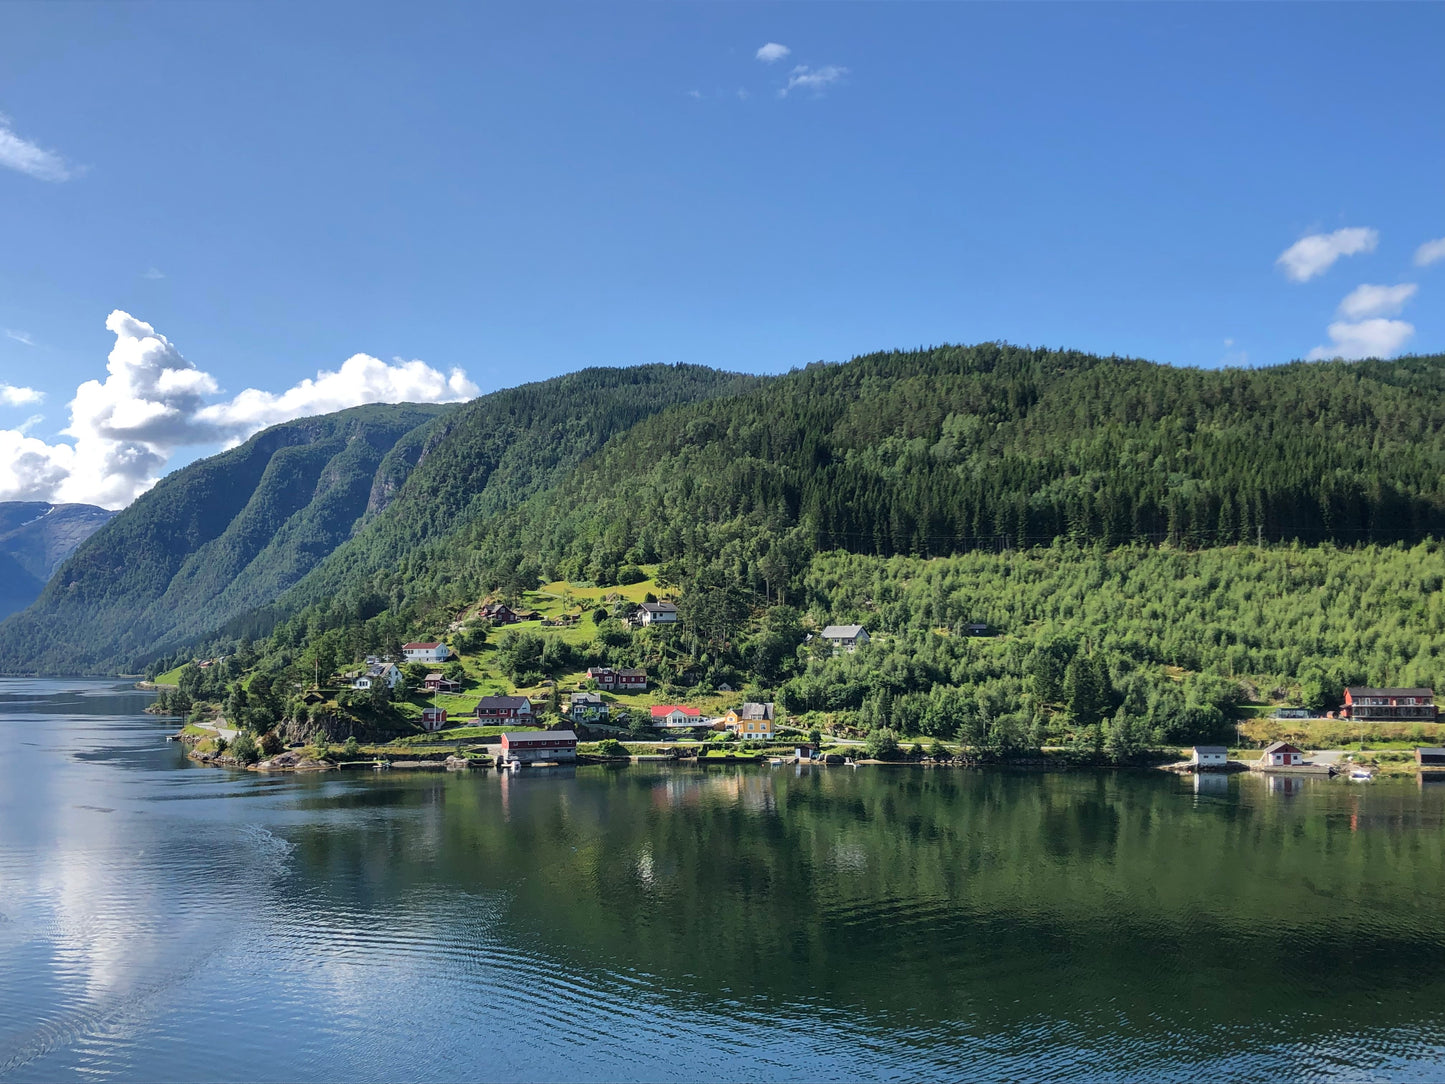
<point x="954" y="449"/>
<point x="218" y="538"/>
<point x="1151" y="548"/>
<point x="500" y="450"/>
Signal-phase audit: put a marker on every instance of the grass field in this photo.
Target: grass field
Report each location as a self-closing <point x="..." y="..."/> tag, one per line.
<point x="170" y="677"/>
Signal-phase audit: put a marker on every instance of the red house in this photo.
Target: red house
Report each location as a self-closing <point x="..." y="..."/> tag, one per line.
<point x="498" y="614"/>
<point x="1367" y="705"/>
<point x="435" y="683"/>
<point x="512" y="709"/>
<point x="433" y="718"/>
<point x="534" y="745"/>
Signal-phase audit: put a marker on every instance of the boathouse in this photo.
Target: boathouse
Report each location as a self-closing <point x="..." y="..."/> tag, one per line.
<point x="1430" y="758"/>
<point x="1282" y="755"/>
<point x="1209" y="756"/>
<point x="531" y="746"/>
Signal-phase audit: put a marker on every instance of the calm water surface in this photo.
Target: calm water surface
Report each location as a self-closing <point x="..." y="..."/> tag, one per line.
<point x="164" y="921"/>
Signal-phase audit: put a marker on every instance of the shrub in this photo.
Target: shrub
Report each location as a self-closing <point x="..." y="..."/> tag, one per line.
<point x="244" y="748"/>
<point x="352" y="746"/>
<point x="629" y="574"/>
<point x="611" y="747"/>
<point x="271" y="743"/>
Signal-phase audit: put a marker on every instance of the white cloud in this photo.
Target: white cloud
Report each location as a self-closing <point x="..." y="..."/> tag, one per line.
<point x="815" y="79"/>
<point x="1377" y="338"/>
<point x="772" y="52"/>
<point x="1316" y="254"/>
<point x="20" y="154"/>
<point x="361" y="379"/>
<point x="1366" y="300"/>
<point x="124" y="429"/>
<point x="10" y="395"/>
<point x="1430" y="252"/>
<point x="694" y="94"/>
<point x="152" y="273"/>
<point x="20" y="337"/>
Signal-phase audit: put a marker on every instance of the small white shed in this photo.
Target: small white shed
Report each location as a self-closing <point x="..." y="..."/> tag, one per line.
<point x="1209" y="756"/>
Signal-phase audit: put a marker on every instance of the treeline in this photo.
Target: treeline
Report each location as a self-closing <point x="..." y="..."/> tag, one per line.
<point x="996" y="447"/>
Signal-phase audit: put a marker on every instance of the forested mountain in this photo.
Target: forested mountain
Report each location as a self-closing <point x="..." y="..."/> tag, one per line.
<point x="949" y="450"/>
<point x="736" y="484"/>
<point x="35" y="537"/>
<point x="339" y="497"/>
<point x="500" y="450"/>
<point x="217" y="538"/>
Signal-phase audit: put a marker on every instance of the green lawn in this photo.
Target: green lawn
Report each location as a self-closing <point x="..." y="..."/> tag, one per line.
<point x="170" y="677"/>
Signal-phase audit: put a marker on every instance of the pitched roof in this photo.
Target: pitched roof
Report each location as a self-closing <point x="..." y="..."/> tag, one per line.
<point x="660" y="711"/>
<point x="756" y="711"/>
<point x="632" y="673"/>
<point x="1366" y="690"/>
<point x="498" y="702"/>
<point x="428" y="646"/>
<point x="586" y="698"/>
<point x="842" y="632"/>
<point x="1282" y="747"/>
<point x="659" y="607"/>
<point x="1218" y="750"/>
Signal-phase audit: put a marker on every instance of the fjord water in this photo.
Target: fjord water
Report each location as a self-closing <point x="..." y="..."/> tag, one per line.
<point x="164" y="921"/>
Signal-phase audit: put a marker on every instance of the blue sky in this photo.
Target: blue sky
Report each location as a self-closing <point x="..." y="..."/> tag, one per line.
<point x="521" y="191"/>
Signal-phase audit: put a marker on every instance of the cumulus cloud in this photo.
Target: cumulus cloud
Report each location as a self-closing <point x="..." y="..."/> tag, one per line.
<point x="1316" y="254"/>
<point x="10" y="395"/>
<point x="152" y="273"/>
<point x="1377" y="338"/>
<point x="361" y="379"/>
<point x="154" y="401"/>
<point x="1430" y="252"/>
<point x="1366" y="300"/>
<point x="772" y="52"/>
<point x="24" y="156"/>
<point x="815" y="79"/>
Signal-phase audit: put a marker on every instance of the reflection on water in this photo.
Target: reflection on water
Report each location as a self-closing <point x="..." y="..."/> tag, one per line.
<point x="164" y="921"/>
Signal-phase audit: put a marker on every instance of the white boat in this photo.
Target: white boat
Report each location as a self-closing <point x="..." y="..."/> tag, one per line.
<point x="1362" y="774"/>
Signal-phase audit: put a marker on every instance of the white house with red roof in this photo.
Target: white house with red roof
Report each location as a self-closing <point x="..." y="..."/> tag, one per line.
<point x="675" y="715"/>
<point x="426" y="651"/>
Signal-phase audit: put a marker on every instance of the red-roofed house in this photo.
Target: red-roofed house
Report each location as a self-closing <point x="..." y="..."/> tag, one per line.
<point x="669" y="715"/>
<point x="426" y="651"/>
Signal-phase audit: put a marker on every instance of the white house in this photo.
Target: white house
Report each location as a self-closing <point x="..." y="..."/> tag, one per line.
<point x="848" y="637"/>
<point x="675" y="715"/>
<point x="1209" y="756"/>
<point x="378" y="673"/>
<point x="1282" y="755"/>
<point x="658" y="613"/>
<point x="426" y="652"/>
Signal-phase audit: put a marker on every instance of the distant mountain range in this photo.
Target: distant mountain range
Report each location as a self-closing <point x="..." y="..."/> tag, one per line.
<point x="35" y="538"/>
<point x="408" y="509"/>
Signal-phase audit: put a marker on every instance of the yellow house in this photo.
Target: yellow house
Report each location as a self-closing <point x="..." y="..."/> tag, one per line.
<point x="751" y="722"/>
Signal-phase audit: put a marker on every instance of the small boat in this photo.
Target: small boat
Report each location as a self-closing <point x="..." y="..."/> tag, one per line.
<point x="1362" y="775"/>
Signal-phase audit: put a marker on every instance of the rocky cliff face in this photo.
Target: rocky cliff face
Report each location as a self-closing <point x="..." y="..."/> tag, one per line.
<point x="35" y="540"/>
